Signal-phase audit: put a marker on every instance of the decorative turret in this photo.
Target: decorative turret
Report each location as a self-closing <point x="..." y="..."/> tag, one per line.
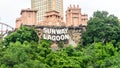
<point x="74" y="16"/>
<point x="52" y="18"/>
<point x="28" y="17"/>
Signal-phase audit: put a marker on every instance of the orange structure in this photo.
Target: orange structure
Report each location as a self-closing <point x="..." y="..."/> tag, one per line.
<point x="52" y="18"/>
<point x="74" y="17"/>
<point x="28" y="17"/>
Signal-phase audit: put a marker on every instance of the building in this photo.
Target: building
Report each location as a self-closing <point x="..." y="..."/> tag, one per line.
<point x="74" y="17"/>
<point x="28" y="17"/>
<point x="44" y="6"/>
<point x="52" y="27"/>
<point x="52" y="18"/>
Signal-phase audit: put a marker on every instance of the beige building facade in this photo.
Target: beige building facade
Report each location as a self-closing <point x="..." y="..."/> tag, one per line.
<point x="74" y="16"/>
<point x="50" y="13"/>
<point x="44" y="6"/>
<point x="28" y="17"/>
<point x="52" y="18"/>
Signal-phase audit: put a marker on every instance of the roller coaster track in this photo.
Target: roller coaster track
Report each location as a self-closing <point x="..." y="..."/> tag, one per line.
<point x="5" y="29"/>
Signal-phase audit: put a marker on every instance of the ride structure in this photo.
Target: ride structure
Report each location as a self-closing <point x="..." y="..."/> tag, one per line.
<point x="5" y="29"/>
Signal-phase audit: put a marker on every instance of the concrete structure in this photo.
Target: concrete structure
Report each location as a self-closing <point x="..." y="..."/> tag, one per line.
<point x="28" y="17"/>
<point x="52" y="18"/>
<point x="74" y="17"/>
<point x="44" y="6"/>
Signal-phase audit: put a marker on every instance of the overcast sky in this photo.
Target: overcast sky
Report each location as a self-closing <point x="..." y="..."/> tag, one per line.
<point x="10" y="9"/>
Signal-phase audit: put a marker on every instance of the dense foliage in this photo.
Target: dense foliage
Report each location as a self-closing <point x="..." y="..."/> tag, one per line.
<point x="25" y="51"/>
<point x="21" y="35"/>
<point x="102" y="27"/>
<point x="34" y="55"/>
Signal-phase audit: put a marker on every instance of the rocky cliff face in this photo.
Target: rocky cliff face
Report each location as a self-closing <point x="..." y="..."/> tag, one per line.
<point x="74" y="33"/>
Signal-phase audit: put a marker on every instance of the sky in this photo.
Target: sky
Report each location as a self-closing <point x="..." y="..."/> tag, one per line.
<point x="10" y="9"/>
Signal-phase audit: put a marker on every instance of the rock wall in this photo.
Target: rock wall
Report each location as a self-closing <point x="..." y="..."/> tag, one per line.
<point x="75" y="34"/>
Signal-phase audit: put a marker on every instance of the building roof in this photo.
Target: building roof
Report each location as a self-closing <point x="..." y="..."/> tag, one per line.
<point x="28" y="10"/>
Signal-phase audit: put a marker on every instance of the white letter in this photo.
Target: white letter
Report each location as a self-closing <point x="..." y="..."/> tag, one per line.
<point x="53" y="38"/>
<point x="58" y="38"/>
<point x="62" y="37"/>
<point x="67" y="36"/>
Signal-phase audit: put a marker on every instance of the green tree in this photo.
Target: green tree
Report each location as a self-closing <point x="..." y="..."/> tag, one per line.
<point x="22" y="34"/>
<point x="26" y="55"/>
<point x="113" y="62"/>
<point x="102" y="27"/>
<point x="64" y="58"/>
<point x="96" y="54"/>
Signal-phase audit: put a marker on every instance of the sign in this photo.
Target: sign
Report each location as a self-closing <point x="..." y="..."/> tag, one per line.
<point x="55" y="34"/>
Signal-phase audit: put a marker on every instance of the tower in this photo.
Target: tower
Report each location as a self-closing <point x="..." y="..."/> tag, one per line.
<point x="28" y="17"/>
<point x="74" y="17"/>
<point x="44" y="6"/>
<point x="52" y="18"/>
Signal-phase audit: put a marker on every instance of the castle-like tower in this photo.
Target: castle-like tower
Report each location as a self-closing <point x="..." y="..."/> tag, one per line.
<point x="74" y="17"/>
<point x="52" y="18"/>
<point x="28" y="17"/>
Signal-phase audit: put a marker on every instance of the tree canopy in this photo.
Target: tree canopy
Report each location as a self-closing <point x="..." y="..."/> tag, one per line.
<point x="22" y="34"/>
<point x="102" y="27"/>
